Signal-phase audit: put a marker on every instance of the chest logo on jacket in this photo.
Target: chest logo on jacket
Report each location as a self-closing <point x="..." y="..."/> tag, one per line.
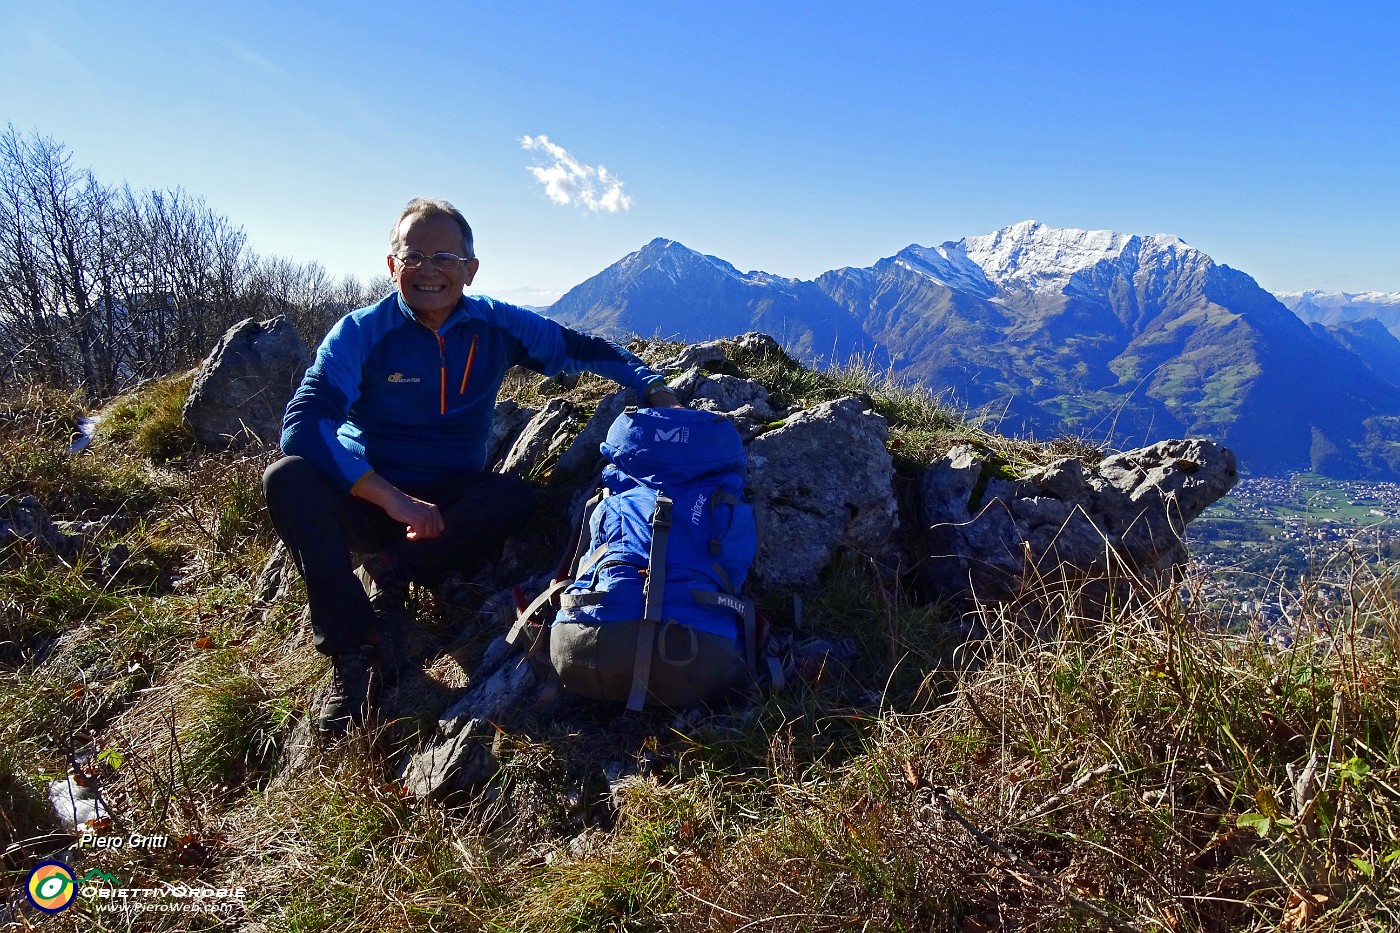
<point x="400" y="377"/>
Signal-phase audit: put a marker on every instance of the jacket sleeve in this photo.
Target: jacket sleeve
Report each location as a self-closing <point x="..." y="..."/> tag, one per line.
<point x="550" y="348"/>
<point x="322" y="403"/>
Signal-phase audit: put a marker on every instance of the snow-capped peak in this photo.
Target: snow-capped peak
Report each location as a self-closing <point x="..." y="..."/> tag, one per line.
<point x="1033" y="253"/>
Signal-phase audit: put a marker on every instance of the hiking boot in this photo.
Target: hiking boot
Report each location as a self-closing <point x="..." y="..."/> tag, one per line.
<point x="353" y="691"/>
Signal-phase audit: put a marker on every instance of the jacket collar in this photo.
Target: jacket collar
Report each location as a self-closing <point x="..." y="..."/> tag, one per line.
<point x="459" y="313"/>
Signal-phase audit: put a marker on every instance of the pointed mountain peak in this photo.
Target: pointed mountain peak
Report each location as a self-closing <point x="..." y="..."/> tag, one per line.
<point x="671" y="258"/>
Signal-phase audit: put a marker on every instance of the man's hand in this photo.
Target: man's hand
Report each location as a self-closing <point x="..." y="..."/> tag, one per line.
<point x="422" y="518"/>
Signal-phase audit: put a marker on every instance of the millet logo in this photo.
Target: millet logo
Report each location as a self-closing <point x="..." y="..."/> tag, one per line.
<point x="400" y="377"/>
<point x="674" y="435"/>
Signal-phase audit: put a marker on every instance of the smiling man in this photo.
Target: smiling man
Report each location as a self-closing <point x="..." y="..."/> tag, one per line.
<point x="385" y="441"/>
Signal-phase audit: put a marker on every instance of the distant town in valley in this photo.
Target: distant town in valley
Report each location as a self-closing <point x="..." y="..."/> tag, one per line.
<point x="1305" y="535"/>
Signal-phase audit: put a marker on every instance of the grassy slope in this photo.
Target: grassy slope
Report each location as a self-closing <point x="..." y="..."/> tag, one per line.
<point x="1147" y="771"/>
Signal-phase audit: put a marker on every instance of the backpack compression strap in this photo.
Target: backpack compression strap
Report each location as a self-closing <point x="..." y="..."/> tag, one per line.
<point x="655" y="595"/>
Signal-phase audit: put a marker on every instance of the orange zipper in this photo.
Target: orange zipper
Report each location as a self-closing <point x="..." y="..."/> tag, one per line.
<point x="442" y="360"/>
<point x="471" y="357"/>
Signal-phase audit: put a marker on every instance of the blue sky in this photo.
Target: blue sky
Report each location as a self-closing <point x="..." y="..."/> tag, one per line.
<point x="788" y="137"/>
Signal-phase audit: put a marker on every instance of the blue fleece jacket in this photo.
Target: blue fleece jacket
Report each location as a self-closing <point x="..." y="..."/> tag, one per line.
<point x="389" y="394"/>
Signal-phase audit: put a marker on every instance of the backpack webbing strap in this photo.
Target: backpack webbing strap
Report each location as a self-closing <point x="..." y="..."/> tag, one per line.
<point x="579" y="544"/>
<point x="652" y="608"/>
<point x="591" y="558"/>
<point x="583" y="600"/>
<point x="525" y="632"/>
<point x="719" y="496"/>
<point x="526" y="628"/>
<point x="744" y="609"/>
<point x="747" y="613"/>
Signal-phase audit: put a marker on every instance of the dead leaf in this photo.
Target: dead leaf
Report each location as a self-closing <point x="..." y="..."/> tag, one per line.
<point x="1302" y="911"/>
<point x="204" y="643"/>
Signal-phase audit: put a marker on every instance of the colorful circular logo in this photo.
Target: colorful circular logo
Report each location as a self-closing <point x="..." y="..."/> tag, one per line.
<point x="51" y="887"/>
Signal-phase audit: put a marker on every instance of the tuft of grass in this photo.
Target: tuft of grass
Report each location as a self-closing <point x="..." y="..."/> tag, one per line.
<point x="41" y="595"/>
<point x="235" y="726"/>
<point x="92" y="484"/>
<point x="151" y="419"/>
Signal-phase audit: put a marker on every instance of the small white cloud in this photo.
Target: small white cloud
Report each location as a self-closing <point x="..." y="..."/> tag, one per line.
<point x="566" y="180"/>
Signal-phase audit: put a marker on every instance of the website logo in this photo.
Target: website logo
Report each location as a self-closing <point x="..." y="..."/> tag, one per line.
<point x="97" y="876"/>
<point x="51" y="887"/>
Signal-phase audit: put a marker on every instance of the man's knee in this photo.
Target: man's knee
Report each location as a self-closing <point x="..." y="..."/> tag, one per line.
<point x="290" y="481"/>
<point x="497" y="499"/>
<point x="520" y="497"/>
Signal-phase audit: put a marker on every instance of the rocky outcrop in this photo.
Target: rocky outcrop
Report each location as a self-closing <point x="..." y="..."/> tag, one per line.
<point x="822" y="481"/>
<point x="243" y="386"/>
<point x="989" y="535"/>
<point x="545" y="434"/>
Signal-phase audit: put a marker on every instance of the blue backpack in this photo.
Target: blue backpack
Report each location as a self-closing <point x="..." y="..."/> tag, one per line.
<point x="666" y="539"/>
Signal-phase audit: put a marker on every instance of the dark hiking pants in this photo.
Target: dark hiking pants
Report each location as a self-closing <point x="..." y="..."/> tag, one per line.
<point x="321" y="524"/>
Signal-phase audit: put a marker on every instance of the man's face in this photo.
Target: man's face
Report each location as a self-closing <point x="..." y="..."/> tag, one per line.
<point x="431" y="292"/>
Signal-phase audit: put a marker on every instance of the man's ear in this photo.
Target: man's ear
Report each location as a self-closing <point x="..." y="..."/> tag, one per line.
<point x="472" y="265"/>
<point x="390" y="260"/>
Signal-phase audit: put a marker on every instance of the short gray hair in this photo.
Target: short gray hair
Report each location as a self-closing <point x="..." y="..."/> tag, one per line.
<point x="433" y="207"/>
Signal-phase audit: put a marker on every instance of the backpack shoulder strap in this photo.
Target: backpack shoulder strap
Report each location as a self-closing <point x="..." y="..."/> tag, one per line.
<point x="655" y="595"/>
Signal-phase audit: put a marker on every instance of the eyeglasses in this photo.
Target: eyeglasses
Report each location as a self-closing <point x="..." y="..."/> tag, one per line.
<point x="412" y="259"/>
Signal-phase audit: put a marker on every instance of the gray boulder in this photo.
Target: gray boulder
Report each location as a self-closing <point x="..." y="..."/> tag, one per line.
<point x="1066" y="519"/>
<point x="546" y="434"/>
<point x="458" y="756"/>
<point x="743" y="401"/>
<point x="823" y="481"/>
<point x="243" y="386"/>
<point x="715" y="352"/>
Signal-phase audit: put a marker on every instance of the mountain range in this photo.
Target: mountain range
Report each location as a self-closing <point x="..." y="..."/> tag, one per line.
<point x="1340" y="307"/>
<point x="1115" y="338"/>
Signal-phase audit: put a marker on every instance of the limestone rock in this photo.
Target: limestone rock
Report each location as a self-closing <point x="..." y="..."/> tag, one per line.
<point x="546" y="434"/>
<point x="697" y="356"/>
<point x="242" y="389"/>
<point x="713" y="352"/>
<point x="744" y="401"/>
<point x="1066" y="519"/>
<point x="459" y="757"/>
<point x="823" y="481"/>
<point x="24" y="517"/>
<point x="508" y="421"/>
